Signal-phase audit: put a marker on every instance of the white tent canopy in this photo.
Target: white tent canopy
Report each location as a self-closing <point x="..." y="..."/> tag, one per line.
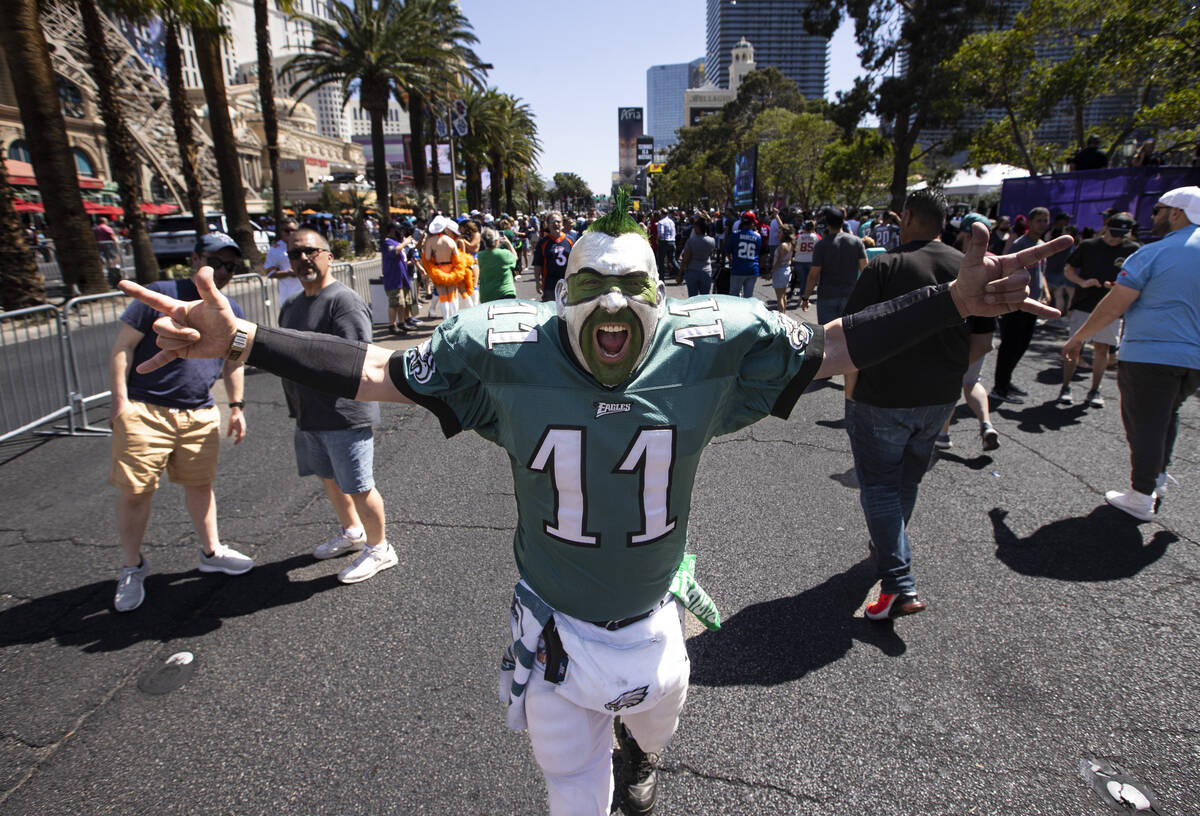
<point x="970" y="183"/>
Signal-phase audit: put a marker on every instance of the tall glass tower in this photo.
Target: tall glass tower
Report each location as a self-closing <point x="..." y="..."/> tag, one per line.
<point x="665" y="85"/>
<point x="776" y="30"/>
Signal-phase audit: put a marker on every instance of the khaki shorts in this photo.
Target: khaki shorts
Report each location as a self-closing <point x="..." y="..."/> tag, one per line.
<point x="149" y="438"/>
<point x="1108" y="335"/>
<point x="399" y="297"/>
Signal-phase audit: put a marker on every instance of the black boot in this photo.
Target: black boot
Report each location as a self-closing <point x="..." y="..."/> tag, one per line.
<point x="640" y="782"/>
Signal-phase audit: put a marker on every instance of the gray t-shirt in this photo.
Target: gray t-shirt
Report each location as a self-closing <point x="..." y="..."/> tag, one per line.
<point x="838" y="256"/>
<point x="334" y="310"/>
<point x="702" y="247"/>
<point x="1037" y="270"/>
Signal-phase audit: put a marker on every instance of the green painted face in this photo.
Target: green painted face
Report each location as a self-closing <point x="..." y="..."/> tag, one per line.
<point x="587" y="284"/>
<point x="610" y="343"/>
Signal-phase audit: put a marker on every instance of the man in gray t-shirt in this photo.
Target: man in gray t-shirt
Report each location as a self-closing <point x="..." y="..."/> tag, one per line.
<point x="697" y="258"/>
<point x="334" y="438"/>
<point x="838" y="258"/>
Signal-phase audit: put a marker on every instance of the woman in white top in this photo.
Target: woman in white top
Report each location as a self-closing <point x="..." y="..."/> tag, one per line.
<point x="781" y="268"/>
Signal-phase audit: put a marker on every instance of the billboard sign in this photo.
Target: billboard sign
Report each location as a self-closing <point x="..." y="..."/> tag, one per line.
<point x="645" y="150"/>
<point x="744" y="176"/>
<point x="629" y="128"/>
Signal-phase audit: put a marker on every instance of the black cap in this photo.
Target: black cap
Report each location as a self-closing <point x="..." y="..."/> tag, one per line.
<point x="1121" y="224"/>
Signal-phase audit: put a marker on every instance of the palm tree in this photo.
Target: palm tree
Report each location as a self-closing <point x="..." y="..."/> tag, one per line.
<point x="368" y="47"/>
<point x="266" y="95"/>
<point x="485" y="113"/>
<point x="36" y="88"/>
<point x="122" y="155"/>
<point x="446" y="62"/>
<point x="181" y="119"/>
<point x="21" y="284"/>
<point x="516" y="148"/>
<point x="207" y="32"/>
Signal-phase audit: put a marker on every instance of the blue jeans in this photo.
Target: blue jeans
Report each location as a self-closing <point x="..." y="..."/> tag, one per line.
<point x="830" y="308"/>
<point x="698" y="282"/>
<point x="892" y="448"/>
<point x="799" y="275"/>
<point x="742" y="285"/>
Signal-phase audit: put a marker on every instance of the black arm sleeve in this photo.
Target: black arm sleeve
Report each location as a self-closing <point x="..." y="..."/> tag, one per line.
<point x="883" y="329"/>
<point x="320" y="361"/>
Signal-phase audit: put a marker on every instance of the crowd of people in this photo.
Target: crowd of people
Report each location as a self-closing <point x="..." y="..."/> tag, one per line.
<point x="907" y="306"/>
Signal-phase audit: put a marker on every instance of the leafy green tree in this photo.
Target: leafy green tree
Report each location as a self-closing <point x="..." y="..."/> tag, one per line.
<point x="923" y="33"/>
<point x="694" y="184"/>
<point x="792" y="146"/>
<point x="570" y="191"/>
<point x="1066" y="55"/>
<point x="857" y="170"/>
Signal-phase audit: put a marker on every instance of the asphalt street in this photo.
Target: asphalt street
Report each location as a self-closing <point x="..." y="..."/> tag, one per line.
<point x="1059" y="630"/>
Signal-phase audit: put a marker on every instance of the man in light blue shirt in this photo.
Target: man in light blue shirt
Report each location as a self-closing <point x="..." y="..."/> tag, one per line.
<point x="1158" y="292"/>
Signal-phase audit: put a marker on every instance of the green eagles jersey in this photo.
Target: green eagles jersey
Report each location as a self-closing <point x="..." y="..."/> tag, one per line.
<point x="603" y="476"/>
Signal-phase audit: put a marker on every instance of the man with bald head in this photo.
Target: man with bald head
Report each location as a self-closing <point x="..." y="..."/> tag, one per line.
<point x="334" y="439"/>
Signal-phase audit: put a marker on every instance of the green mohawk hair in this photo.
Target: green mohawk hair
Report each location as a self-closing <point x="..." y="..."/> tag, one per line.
<point x="618" y="221"/>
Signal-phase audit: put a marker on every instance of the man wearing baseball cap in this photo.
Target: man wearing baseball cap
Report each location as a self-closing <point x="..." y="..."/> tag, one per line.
<point x="167" y="420"/>
<point x="1156" y="291"/>
<point x="1093" y="267"/>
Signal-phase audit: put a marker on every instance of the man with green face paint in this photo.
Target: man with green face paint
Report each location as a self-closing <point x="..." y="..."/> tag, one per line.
<point x="604" y="402"/>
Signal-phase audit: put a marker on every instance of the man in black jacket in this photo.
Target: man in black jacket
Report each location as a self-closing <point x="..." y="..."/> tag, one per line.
<point x="895" y="409"/>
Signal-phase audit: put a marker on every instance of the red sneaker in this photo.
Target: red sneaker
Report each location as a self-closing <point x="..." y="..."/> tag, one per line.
<point x="895" y="605"/>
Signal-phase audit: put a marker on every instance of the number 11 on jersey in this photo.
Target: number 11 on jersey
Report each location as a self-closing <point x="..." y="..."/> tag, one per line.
<point x="651" y="452"/>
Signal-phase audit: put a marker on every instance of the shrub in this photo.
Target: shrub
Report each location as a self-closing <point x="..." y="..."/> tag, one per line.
<point x="340" y="248"/>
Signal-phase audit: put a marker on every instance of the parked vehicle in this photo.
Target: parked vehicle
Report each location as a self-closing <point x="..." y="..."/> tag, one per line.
<point x="172" y="236"/>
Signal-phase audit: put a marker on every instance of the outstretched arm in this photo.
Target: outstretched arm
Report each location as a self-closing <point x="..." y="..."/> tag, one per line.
<point x="206" y="328"/>
<point x="986" y="286"/>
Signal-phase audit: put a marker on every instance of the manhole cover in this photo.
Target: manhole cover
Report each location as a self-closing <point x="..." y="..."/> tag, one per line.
<point x="170" y="675"/>
<point x="1116" y="788"/>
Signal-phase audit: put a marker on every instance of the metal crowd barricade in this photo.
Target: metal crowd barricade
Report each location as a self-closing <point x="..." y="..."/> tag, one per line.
<point x="257" y="296"/>
<point x="54" y="362"/>
<point x="90" y="324"/>
<point x="33" y="376"/>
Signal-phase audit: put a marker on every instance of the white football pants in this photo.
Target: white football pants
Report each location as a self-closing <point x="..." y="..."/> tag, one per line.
<point x="573" y="746"/>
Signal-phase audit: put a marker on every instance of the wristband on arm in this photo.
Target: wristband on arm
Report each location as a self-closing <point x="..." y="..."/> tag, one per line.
<point x="884" y="329"/>
<point x="322" y="362"/>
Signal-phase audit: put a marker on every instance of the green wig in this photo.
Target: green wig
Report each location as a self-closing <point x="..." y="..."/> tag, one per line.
<point x="618" y="221"/>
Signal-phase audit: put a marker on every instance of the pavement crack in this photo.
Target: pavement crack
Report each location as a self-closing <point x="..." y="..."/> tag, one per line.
<point x="745" y="783"/>
<point x="50" y="750"/>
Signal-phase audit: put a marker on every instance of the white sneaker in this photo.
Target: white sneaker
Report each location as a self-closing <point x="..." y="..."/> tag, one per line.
<point x="1138" y="505"/>
<point x="370" y="561"/>
<point x="340" y="544"/>
<point x="225" y="559"/>
<point x="130" y="592"/>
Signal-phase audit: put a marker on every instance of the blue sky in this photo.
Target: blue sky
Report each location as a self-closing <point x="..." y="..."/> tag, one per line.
<point x="577" y="67"/>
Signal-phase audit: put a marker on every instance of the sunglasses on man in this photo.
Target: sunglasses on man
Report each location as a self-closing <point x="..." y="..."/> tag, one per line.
<point x="306" y="252"/>
<point x="216" y="263"/>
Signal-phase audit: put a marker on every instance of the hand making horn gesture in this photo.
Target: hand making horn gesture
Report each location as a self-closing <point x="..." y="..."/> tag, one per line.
<point x="990" y="285"/>
<point x="200" y="328"/>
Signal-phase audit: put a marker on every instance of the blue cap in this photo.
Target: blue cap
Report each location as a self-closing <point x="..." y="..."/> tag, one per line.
<point x="214" y="242"/>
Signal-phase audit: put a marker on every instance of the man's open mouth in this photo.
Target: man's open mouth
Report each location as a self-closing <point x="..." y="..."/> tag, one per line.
<point x="612" y="341"/>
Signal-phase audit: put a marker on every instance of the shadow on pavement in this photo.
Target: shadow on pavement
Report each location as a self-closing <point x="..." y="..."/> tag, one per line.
<point x="1048" y="416"/>
<point x="178" y="605"/>
<point x="782" y="640"/>
<point x="1105" y="545"/>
